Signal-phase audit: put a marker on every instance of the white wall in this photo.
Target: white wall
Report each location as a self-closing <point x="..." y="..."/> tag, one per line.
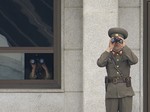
<point x="130" y="17"/>
<point x="73" y="59"/>
<point x="99" y="16"/>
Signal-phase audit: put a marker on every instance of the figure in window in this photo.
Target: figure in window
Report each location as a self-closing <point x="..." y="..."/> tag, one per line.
<point x="39" y="69"/>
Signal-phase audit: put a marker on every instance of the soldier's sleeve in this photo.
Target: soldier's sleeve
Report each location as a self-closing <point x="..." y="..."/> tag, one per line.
<point x="102" y="60"/>
<point x="131" y="57"/>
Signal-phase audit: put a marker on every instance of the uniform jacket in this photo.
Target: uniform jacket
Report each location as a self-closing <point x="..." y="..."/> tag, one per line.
<point x="123" y="62"/>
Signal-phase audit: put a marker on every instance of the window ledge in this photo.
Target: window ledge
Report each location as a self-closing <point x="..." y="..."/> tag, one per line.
<point x="31" y="90"/>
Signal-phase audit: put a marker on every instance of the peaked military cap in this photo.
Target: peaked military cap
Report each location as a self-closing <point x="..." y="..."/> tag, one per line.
<point x="117" y="31"/>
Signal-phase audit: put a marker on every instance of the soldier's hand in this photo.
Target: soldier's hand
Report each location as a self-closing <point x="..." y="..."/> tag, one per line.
<point x="44" y="67"/>
<point x="123" y="44"/>
<point x="111" y="46"/>
<point x="33" y="66"/>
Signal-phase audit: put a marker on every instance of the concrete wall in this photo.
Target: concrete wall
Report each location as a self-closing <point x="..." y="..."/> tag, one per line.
<point x="130" y="17"/>
<point x="99" y="16"/>
<point x="73" y="59"/>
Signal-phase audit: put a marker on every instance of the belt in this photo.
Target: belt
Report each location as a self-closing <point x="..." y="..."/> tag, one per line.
<point x="118" y="79"/>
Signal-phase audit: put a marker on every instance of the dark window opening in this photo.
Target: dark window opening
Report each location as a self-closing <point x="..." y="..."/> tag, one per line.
<point x="40" y="61"/>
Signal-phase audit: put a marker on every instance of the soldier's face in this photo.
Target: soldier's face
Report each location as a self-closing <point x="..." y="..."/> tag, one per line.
<point x="117" y="46"/>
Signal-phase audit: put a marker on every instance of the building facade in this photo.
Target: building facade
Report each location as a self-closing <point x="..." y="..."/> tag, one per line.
<point x="84" y="36"/>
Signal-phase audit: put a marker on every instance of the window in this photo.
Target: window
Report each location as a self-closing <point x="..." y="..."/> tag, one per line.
<point x="30" y="44"/>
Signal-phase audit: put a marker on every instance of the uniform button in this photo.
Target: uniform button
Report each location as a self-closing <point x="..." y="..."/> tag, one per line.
<point x="117" y="59"/>
<point x="117" y="54"/>
<point x="117" y="66"/>
<point x="117" y="72"/>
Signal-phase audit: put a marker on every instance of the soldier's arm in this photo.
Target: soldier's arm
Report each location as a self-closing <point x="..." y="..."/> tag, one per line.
<point x="102" y="60"/>
<point x="32" y="74"/>
<point x="47" y="74"/>
<point x="131" y="57"/>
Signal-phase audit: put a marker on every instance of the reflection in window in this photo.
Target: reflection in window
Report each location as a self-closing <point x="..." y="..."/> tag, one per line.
<point x="27" y="23"/>
<point x="11" y="66"/>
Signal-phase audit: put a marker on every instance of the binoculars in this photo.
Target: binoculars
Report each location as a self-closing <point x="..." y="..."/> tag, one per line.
<point x="116" y="40"/>
<point x="37" y="61"/>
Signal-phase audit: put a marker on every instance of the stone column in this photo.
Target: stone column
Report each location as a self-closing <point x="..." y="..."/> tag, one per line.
<point x="98" y="17"/>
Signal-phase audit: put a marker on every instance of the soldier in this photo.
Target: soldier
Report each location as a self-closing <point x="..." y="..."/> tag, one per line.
<point x="39" y="69"/>
<point x="117" y="59"/>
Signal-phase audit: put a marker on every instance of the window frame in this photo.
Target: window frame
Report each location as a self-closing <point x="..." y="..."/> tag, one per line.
<point x="56" y="50"/>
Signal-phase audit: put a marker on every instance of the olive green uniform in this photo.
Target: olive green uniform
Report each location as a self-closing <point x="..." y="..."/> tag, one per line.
<point x="118" y="95"/>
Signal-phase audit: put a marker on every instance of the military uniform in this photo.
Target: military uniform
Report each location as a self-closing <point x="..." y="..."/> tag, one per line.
<point x="119" y="91"/>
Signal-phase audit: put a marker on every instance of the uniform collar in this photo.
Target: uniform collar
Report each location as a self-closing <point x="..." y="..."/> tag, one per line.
<point x="117" y="53"/>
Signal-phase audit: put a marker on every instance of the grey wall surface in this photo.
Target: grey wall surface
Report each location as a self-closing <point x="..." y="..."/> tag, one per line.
<point x="99" y="16"/>
<point x="130" y="18"/>
<point x="73" y="59"/>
